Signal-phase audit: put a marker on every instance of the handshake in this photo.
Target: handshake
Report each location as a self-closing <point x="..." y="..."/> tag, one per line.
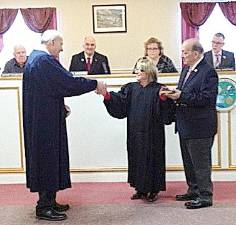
<point x="101" y="88"/>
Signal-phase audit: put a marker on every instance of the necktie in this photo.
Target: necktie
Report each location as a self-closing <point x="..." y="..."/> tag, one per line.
<point x="88" y="64"/>
<point x="187" y="76"/>
<point x="217" y="60"/>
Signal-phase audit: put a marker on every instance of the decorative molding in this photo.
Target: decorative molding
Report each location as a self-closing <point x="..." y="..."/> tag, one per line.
<point x="21" y="168"/>
<point x="230" y="153"/>
<point x="218" y="135"/>
<point x="124" y="73"/>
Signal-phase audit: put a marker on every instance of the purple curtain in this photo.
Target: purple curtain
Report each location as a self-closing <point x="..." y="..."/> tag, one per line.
<point x="229" y="11"/>
<point x="7" y="17"/>
<point x="40" y="19"/>
<point x="193" y="16"/>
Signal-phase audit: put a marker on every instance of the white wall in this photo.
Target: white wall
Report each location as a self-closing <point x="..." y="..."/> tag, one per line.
<point x="159" y="18"/>
<point x="144" y="19"/>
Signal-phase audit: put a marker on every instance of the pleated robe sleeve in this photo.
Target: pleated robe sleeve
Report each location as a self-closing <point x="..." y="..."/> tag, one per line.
<point x="117" y="106"/>
<point x="58" y="81"/>
<point x="168" y="111"/>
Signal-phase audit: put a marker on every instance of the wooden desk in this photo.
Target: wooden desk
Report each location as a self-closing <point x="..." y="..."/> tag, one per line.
<point x="97" y="142"/>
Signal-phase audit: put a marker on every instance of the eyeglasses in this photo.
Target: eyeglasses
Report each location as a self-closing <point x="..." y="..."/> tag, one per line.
<point x="136" y="71"/>
<point x="152" y="49"/>
<point x="217" y="43"/>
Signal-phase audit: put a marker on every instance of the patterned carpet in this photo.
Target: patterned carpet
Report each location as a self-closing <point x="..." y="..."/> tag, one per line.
<point x="110" y="204"/>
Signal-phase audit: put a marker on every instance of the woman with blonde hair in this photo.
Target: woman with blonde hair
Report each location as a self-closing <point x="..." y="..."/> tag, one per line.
<point x="146" y="115"/>
<point x="153" y="50"/>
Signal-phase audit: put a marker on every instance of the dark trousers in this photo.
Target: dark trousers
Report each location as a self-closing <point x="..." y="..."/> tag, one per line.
<point x="196" y="154"/>
<point x="46" y="199"/>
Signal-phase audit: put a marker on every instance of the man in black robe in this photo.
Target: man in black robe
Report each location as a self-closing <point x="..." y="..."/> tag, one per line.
<point x="45" y="84"/>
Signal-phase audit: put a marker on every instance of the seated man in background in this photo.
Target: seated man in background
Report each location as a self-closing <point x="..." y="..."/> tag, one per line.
<point x="16" y="64"/>
<point x="89" y="60"/>
<point x="219" y="58"/>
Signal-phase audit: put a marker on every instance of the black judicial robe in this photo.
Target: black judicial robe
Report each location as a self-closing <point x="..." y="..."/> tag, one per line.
<point x="146" y="115"/>
<point x="45" y="84"/>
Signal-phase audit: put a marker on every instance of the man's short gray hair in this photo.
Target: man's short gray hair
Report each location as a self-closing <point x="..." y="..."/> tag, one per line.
<point x="220" y="35"/>
<point x="50" y="35"/>
<point x="197" y="47"/>
<point x="17" y="46"/>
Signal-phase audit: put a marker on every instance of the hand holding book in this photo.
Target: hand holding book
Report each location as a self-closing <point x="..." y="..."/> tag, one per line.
<point x="166" y="90"/>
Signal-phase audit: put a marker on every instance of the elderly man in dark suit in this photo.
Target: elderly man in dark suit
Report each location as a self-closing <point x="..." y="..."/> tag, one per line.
<point x="219" y="58"/>
<point x="196" y="123"/>
<point x="89" y="60"/>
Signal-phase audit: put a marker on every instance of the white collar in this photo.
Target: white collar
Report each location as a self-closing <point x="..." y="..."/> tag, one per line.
<point x="86" y="56"/>
<point x="43" y="48"/>
<point x="220" y="53"/>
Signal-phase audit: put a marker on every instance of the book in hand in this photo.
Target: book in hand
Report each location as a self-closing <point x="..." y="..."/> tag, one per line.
<point x="167" y="91"/>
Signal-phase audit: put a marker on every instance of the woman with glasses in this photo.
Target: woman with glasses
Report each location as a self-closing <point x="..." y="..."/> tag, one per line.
<point x="154" y="52"/>
<point x="146" y="115"/>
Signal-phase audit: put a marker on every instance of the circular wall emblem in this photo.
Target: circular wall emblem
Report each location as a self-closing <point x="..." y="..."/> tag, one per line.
<point x="226" y="98"/>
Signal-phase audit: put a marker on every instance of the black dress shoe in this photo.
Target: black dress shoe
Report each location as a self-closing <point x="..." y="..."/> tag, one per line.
<point x="186" y="197"/>
<point x="152" y="197"/>
<point x="138" y="195"/>
<point x="198" y="203"/>
<point x="50" y="214"/>
<point x="60" y="208"/>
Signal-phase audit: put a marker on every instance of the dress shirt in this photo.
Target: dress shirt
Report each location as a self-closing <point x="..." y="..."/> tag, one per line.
<point x="192" y="68"/>
<point x="86" y="58"/>
<point x="13" y="67"/>
<point x="214" y="57"/>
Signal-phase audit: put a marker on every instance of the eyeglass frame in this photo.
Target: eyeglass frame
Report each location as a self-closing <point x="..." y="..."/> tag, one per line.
<point x="136" y="71"/>
<point x="217" y="43"/>
<point x="153" y="49"/>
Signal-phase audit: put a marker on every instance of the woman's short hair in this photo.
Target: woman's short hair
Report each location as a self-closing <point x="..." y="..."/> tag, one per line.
<point x="145" y="65"/>
<point x="152" y="40"/>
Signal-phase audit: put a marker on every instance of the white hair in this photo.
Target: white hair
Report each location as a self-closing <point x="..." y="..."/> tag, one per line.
<point x="50" y="35"/>
<point x="17" y="46"/>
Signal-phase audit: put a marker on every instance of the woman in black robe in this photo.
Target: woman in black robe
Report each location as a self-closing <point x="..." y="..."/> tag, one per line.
<point x="146" y="115"/>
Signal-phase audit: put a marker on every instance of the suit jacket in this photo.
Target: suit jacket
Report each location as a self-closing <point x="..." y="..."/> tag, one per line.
<point x="99" y="65"/>
<point x="196" y="115"/>
<point x="227" y="60"/>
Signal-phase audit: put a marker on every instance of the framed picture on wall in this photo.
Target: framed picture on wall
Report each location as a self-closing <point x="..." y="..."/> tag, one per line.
<point x="109" y="18"/>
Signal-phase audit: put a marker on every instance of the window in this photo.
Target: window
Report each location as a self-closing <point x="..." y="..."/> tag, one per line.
<point x="218" y="23"/>
<point x="18" y="33"/>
